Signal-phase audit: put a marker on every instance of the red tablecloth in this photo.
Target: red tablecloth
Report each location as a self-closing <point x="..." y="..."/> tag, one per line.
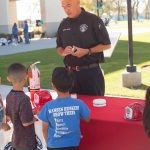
<point x="108" y="130"/>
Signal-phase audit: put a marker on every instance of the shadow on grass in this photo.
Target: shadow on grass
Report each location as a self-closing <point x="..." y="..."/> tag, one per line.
<point x="141" y="87"/>
<point x="119" y="59"/>
<point x="145" y="66"/>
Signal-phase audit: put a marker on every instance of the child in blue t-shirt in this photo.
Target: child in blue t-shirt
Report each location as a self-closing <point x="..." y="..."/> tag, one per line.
<point x="61" y="117"/>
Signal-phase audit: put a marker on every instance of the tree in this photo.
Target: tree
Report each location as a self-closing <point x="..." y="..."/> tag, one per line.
<point x="147" y="10"/>
<point x="88" y="4"/>
<point x="118" y="7"/>
<point x="135" y="7"/>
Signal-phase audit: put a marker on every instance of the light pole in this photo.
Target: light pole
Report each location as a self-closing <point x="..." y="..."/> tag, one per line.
<point x="130" y="67"/>
<point x="130" y="77"/>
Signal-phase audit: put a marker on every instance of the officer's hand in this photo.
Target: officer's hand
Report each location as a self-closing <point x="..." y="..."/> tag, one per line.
<point x="67" y="51"/>
<point x="79" y="52"/>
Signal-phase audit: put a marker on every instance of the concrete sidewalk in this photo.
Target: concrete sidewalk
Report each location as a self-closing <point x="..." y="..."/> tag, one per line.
<point x="36" y="44"/>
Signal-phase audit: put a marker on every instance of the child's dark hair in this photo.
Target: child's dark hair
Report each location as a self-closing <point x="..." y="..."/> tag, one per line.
<point x="146" y="114"/>
<point x="62" y="79"/>
<point x="16" y="72"/>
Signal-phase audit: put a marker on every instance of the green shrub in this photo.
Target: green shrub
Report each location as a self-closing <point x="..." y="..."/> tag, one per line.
<point x="4" y="35"/>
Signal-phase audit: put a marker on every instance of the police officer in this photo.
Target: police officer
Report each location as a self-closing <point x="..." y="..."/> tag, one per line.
<point x="81" y="39"/>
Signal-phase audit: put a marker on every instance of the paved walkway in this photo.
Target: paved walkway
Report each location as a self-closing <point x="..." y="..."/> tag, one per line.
<point x="36" y="44"/>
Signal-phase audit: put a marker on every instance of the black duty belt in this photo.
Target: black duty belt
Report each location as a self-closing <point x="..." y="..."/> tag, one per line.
<point x="78" y="68"/>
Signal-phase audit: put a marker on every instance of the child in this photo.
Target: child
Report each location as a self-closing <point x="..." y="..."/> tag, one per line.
<point x="3" y="125"/>
<point x="18" y="109"/>
<point x="61" y="117"/>
<point x="146" y="114"/>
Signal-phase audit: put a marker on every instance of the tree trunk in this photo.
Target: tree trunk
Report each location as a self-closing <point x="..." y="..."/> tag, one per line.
<point x="133" y="10"/>
<point x="137" y="13"/>
<point x="147" y="10"/>
<point x="118" y="5"/>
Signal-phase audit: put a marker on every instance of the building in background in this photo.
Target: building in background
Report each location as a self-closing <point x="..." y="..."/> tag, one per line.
<point x="49" y="11"/>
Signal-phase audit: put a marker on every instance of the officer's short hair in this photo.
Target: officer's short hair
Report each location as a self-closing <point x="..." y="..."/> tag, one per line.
<point x="16" y="72"/>
<point x="62" y="79"/>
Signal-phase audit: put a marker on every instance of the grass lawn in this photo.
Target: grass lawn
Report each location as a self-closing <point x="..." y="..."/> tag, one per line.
<point x="48" y="58"/>
<point x="113" y="67"/>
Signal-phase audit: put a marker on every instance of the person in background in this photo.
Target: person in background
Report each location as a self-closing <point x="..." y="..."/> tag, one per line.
<point x="81" y="40"/>
<point x="61" y="117"/>
<point x="15" y="33"/>
<point x="19" y="110"/>
<point x="26" y="33"/>
<point x="4" y="126"/>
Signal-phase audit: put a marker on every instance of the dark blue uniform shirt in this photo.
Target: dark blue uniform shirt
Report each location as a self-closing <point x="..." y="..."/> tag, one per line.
<point x="85" y="31"/>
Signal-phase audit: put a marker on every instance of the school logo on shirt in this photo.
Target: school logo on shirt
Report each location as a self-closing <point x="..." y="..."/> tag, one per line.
<point x="83" y="27"/>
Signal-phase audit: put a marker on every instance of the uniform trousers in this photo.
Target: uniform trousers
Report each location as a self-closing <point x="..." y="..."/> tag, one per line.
<point x="89" y="82"/>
